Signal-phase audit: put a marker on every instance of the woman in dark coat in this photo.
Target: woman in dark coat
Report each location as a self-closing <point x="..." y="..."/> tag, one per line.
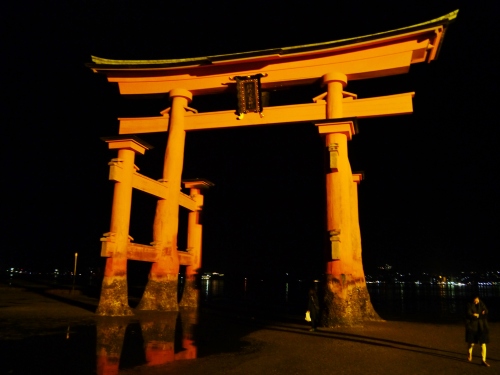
<point x="476" y="329"/>
<point x="313" y="308"/>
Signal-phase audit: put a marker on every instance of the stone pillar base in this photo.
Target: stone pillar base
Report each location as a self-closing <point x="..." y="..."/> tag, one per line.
<point x="160" y="295"/>
<point x="347" y="302"/>
<point x="190" y="295"/>
<point x="114" y="297"/>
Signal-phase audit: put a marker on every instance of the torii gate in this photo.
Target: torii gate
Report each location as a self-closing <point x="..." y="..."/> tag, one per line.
<point x="334" y="113"/>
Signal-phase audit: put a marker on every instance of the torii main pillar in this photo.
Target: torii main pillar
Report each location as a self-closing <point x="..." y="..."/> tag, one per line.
<point x="161" y="290"/>
<point x="346" y="299"/>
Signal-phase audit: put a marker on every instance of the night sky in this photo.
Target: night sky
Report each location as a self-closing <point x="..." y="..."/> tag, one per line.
<point x="429" y="201"/>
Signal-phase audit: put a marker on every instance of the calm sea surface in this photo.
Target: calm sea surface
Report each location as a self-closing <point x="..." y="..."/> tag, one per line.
<point x="406" y="301"/>
<point x="288" y="297"/>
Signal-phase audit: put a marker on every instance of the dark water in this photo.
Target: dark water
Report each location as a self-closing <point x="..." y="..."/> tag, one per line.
<point x="405" y="301"/>
<point x="158" y="338"/>
<point x="431" y="302"/>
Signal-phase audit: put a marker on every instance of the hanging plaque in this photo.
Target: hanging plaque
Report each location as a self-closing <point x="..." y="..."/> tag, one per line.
<point x="249" y="94"/>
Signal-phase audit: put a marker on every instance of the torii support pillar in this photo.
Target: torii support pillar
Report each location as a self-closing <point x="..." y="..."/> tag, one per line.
<point x="190" y="296"/>
<point x="347" y="301"/>
<point x="114" y="292"/>
<point x="161" y="290"/>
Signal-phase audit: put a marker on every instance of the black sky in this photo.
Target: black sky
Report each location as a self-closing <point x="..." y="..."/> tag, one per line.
<point x="430" y="196"/>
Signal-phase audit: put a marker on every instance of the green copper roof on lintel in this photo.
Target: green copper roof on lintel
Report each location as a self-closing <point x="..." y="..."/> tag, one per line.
<point x="206" y="60"/>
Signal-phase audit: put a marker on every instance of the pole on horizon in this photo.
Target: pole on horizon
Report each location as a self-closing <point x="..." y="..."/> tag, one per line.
<point x="74" y="274"/>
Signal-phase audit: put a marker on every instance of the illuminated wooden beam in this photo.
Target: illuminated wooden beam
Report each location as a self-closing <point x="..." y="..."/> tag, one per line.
<point x="377" y="55"/>
<point x="191" y="204"/>
<point x="185" y="258"/>
<point x="153" y="187"/>
<point x="150" y="186"/>
<point x="144" y="253"/>
<point x="400" y="104"/>
<point x="389" y="61"/>
<point x="361" y="108"/>
<point x="146" y="124"/>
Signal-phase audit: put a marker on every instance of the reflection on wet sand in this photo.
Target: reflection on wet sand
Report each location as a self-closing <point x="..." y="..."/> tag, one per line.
<point x="110" y="335"/>
<point x="167" y="336"/>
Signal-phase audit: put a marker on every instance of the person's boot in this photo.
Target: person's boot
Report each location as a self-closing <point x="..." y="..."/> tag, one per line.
<point x="483" y="354"/>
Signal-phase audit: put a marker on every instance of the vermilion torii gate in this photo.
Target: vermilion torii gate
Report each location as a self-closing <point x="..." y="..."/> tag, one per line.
<point x="334" y="113"/>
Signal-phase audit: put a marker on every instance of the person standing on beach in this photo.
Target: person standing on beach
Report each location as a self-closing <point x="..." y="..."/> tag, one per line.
<point x="476" y="329"/>
<point x="313" y="308"/>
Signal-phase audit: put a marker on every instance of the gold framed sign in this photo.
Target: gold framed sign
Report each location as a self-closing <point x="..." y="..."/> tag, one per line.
<point x="249" y="94"/>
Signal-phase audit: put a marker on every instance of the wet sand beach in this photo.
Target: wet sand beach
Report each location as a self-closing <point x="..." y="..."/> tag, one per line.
<point x="54" y="331"/>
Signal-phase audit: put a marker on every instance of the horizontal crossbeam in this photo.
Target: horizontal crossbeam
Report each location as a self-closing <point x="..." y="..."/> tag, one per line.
<point x="398" y="104"/>
<point x="153" y="187"/>
<point x="144" y="253"/>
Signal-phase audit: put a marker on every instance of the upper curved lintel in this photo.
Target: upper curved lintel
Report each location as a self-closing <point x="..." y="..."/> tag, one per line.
<point x="98" y="62"/>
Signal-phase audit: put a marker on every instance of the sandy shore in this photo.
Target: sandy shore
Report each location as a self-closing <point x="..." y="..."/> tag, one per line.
<point x="37" y="318"/>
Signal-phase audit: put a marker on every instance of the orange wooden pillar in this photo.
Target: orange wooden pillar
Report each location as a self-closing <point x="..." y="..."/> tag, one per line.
<point x="161" y="290"/>
<point x="114" y="292"/>
<point x="190" y="296"/>
<point x="346" y="298"/>
<point x="337" y="187"/>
